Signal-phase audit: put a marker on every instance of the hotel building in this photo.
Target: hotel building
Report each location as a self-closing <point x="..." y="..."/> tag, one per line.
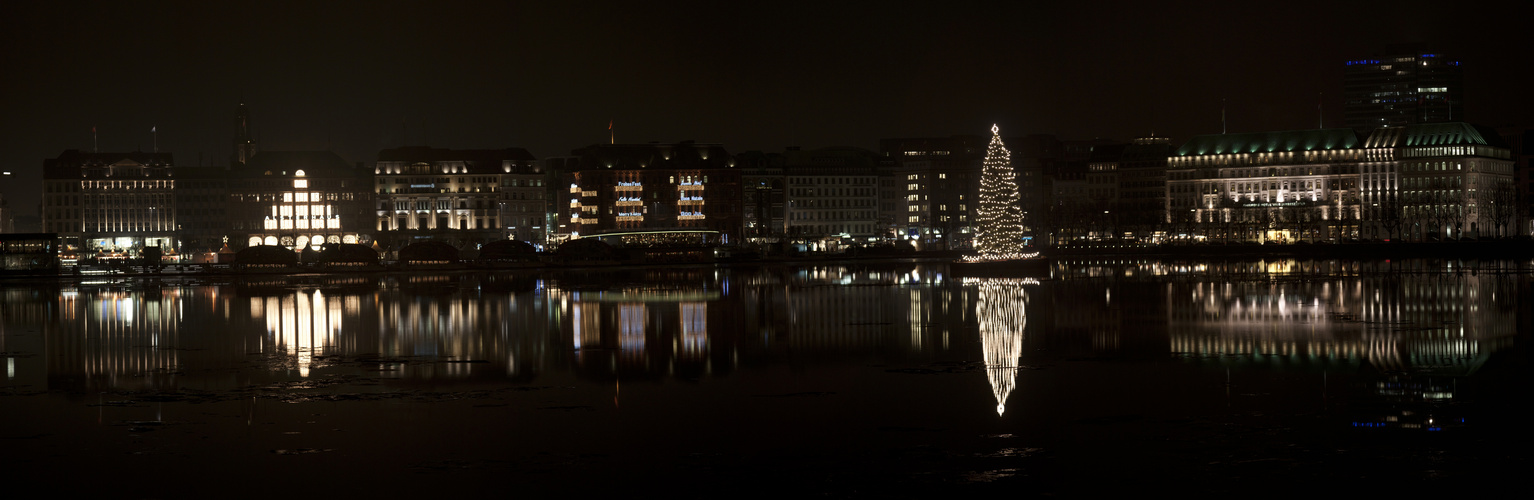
<point x="109" y="205"/>
<point x="1418" y="181"/>
<point x="461" y="197"/>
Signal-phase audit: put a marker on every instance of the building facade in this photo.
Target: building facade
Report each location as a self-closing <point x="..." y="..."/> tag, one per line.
<point x="299" y="200"/>
<point x="941" y="180"/>
<point x="1418" y="182"/>
<point x="109" y="205"/>
<point x="651" y="188"/>
<point x="1142" y="187"/>
<point x="763" y="196"/>
<point x="1405" y="85"/>
<point x="461" y="197"/>
<point x="833" y="198"/>
<point x="1438" y="180"/>
<point x="202" y="212"/>
<point x="1265" y="186"/>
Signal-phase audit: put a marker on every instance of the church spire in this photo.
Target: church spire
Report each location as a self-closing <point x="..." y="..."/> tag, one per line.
<point x="244" y="147"/>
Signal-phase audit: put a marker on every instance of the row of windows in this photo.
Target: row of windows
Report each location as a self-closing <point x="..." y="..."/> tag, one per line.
<point x="808" y="192"/>
<point x="463" y="223"/>
<point x="840" y="215"/>
<point x="831" y="180"/>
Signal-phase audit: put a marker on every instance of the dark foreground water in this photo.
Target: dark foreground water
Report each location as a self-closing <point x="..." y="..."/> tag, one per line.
<point x="879" y="380"/>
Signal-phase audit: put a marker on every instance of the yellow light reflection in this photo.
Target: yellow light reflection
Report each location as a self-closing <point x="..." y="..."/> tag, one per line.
<point x="300" y="324"/>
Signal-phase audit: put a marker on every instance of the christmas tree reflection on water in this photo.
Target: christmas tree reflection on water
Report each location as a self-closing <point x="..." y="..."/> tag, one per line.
<point x="1000" y="310"/>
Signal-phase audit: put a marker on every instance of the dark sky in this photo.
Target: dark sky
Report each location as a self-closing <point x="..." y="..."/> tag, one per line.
<point x="547" y="76"/>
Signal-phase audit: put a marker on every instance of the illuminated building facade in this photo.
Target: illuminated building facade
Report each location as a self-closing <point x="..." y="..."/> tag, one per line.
<point x="1402" y="87"/>
<point x="940" y="176"/>
<point x="651" y="187"/>
<point x="1434" y="180"/>
<point x="1421" y="181"/>
<point x="109" y="205"/>
<point x="300" y="199"/>
<point x="833" y="197"/>
<point x="1265" y="186"/>
<point x="461" y="197"/>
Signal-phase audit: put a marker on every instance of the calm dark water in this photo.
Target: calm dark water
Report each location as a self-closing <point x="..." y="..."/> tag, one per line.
<point x="877" y="380"/>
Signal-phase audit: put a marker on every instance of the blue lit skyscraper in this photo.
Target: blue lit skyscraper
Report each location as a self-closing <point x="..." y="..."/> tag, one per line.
<point x="1402" y="87"/>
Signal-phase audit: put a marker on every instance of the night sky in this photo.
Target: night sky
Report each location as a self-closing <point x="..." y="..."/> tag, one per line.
<point x="548" y="76"/>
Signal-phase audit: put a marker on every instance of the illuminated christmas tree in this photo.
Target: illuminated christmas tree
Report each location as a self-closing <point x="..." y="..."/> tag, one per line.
<point x="999" y="218"/>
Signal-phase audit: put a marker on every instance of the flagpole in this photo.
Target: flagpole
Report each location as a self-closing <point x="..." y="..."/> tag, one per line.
<point x="95" y="141"/>
<point x="156" y="132"/>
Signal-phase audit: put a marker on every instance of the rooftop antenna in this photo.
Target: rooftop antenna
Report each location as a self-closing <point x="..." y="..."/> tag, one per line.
<point x="1320" y="117"/>
<point x="95" y="141"/>
<point x="611" y="139"/>
<point x="156" y="132"/>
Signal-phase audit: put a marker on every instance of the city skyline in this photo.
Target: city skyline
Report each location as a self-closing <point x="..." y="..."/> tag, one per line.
<point x="360" y="78"/>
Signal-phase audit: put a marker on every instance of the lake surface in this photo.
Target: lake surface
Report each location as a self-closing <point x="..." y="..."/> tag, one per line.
<point x="841" y="380"/>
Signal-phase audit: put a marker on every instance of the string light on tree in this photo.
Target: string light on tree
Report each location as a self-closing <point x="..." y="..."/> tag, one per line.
<point x="999" y="218"/>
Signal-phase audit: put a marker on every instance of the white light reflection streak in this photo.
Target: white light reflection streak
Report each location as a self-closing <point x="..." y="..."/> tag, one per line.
<point x="999" y="310"/>
<point x="694" y="327"/>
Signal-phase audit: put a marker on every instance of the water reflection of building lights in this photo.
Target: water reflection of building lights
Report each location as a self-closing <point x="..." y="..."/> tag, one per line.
<point x="631" y="329"/>
<point x="586" y="319"/>
<point x="126" y="333"/>
<point x="1000" y="311"/>
<point x="1391" y="321"/>
<point x="694" y="328"/>
<point x="300" y="324"/>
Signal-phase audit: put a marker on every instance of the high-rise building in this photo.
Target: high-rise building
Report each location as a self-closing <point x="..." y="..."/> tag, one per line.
<point x="1402" y="87"/>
